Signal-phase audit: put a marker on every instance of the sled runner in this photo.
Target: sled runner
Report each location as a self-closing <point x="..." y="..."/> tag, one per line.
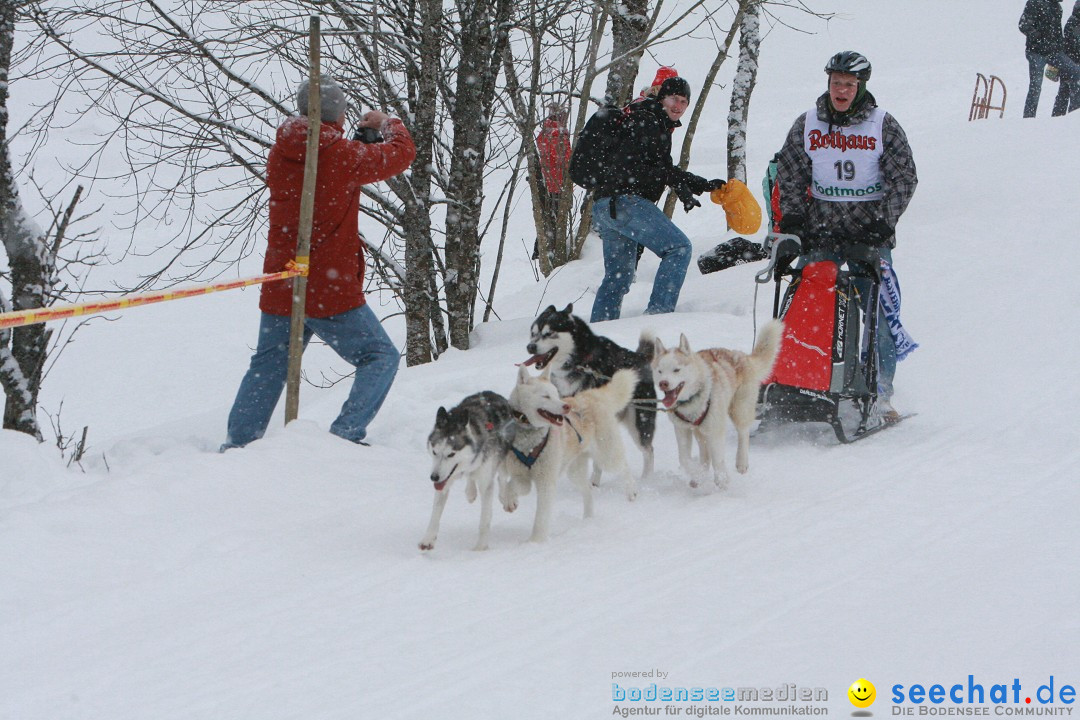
<point x="828" y="365"/>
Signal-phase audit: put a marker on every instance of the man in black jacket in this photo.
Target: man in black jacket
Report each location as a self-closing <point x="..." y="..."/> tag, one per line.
<point x="625" y="212"/>
<point x="1068" y="97"/>
<point x="1041" y="24"/>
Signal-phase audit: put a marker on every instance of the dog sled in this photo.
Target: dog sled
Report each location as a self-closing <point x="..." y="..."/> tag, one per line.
<point x="827" y="368"/>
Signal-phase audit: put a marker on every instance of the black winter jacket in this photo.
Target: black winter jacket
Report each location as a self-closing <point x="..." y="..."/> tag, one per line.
<point x="1072" y="34"/>
<point x="645" y="167"/>
<point x="1041" y="23"/>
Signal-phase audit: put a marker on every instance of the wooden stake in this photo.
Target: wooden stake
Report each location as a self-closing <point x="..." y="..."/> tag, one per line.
<point x="307" y="212"/>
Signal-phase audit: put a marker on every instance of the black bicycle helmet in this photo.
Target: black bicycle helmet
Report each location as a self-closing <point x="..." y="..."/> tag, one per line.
<point x="850" y="62"/>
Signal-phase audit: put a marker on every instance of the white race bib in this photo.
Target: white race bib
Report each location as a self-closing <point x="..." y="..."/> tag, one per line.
<point x="846" y="161"/>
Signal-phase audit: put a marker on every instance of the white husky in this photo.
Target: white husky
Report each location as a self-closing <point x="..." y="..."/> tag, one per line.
<point x="703" y="389"/>
<point x="556" y="435"/>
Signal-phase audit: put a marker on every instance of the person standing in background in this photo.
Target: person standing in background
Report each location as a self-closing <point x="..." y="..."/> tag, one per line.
<point x="1041" y="25"/>
<point x="1068" y="97"/>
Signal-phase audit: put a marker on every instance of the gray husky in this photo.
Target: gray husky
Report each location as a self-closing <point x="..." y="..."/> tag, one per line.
<point x="471" y="441"/>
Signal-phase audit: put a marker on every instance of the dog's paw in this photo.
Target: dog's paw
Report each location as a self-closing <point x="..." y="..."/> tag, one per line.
<point x="510" y="504"/>
<point x="694" y="483"/>
<point x="742" y="467"/>
<point x="426" y="544"/>
<point x="480" y="547"/>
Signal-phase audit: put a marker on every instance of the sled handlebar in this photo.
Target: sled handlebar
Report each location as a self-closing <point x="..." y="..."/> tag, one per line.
<point x="784" y="249"/>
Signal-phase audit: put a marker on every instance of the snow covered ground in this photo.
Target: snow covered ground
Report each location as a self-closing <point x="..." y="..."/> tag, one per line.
<point x="284" y="580"/>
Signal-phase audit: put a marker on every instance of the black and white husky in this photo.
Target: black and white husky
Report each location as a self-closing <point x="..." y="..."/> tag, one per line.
<point x="471" y="440"/>
<point x="580" y="359"/>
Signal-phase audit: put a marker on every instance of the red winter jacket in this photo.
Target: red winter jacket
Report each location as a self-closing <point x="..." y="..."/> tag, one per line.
<point x="553" y="145"/>
<point x="336" y="276"/>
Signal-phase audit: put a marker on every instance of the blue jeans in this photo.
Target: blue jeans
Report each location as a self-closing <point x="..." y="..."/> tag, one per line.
<point x="356" y="335"/>
<point x="1068" y="97"/>
<point x="638" y="221"/>
<point x="885" y="345"/>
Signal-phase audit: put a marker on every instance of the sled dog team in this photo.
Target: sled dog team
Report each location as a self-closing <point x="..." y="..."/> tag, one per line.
<point x="570" y="416"/>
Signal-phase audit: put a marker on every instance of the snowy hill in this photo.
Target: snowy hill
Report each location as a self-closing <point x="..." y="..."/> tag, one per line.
<point x="284" y="580"/>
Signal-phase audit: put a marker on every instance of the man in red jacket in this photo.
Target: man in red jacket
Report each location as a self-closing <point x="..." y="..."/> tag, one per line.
<point x="336" y="310"/>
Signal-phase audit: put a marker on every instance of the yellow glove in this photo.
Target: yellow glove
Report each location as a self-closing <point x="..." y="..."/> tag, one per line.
<point x="742" y="210"/>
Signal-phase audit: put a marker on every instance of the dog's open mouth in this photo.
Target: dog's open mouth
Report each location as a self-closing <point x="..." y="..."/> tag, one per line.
<point x="541" y="361"/>
<point x="442" y="483"/>
<point x="550" y="417"/>
<point x="672" y="396"/>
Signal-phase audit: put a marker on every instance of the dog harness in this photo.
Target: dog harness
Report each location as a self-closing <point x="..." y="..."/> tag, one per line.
<point x="701" y="419"/>
<point x="530" y="459"/>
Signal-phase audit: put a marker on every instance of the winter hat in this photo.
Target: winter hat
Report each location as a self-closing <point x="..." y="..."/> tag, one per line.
<point x="663" y="74"/>
<point x="674" y="86"/>
<point x="331" y="98"/>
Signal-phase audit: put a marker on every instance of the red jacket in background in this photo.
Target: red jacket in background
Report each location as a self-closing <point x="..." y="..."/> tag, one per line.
<point x="336" y="275"/>
<point x="553" y="146"/>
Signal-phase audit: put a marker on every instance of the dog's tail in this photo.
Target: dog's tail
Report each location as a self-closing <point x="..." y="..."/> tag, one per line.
<point x="765" y="350"/>
<point x="621" y="387"/>
<point x="647" y="345"/>
<point x="608" y="399"/>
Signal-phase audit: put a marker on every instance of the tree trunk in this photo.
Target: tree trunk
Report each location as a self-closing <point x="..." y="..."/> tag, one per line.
<point x="630" y="26"/>
<point x="599" y="24"/>
<point x="421" y="296"/>
<point x="483" y="36"/>
<point x="743" y="87"/>
<point x="31" y="264"/>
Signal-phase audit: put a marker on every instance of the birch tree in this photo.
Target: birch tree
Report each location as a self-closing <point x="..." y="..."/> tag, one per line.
<point x="742" y="88"/>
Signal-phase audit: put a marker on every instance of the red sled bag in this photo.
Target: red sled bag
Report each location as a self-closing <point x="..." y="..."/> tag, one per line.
<point x="827" y="362"/>
<point x="809" y="314"/>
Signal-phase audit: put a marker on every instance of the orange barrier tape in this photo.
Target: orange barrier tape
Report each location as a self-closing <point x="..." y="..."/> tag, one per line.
<point x="59" y="312"/>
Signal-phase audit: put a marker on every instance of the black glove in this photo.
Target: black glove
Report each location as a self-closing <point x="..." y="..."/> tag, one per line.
<point x="686" y="195"/>
<point x="716" y="184"/>
<point x="696" y="183"/>
<point x="878" y="233"/>
<point x="793" y="224"/>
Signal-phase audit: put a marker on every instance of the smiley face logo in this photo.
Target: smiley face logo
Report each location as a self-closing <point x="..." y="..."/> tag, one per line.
<point x="862" y="693"/>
